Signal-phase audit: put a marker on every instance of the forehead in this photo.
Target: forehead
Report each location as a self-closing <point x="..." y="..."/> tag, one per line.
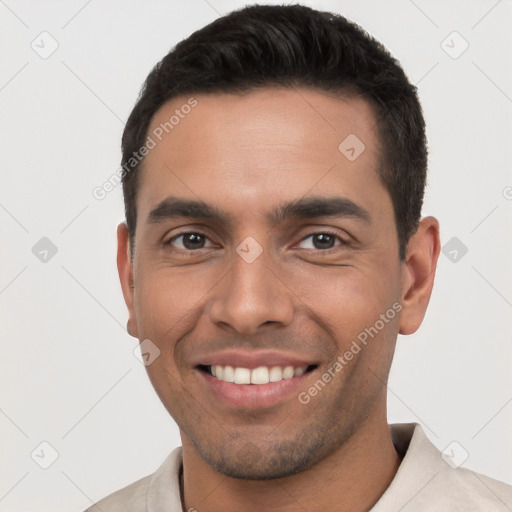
<point x="295" y="116"/>
<point x="272" y="144"/>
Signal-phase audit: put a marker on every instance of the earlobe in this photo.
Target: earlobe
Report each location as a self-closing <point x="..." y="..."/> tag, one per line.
<point x="125" y="270"/>
<point x="418" y="274"/>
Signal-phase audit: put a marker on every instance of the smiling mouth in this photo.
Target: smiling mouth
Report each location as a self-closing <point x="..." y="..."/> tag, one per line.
<point x="256" y="376"/>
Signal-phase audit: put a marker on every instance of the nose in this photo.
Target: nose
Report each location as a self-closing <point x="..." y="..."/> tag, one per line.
<point x="251" y="295"/>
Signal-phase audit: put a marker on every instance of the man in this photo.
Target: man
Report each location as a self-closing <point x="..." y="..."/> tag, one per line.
<point x="274" y="171"/>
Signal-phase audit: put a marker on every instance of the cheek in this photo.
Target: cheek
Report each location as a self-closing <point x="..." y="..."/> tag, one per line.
<point x="352" y="304"/>
<point x="168" y="307"/>
<point x="165" y="300"/>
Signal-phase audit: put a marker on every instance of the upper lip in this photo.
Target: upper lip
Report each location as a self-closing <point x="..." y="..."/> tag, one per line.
<point x="255" y="358"/>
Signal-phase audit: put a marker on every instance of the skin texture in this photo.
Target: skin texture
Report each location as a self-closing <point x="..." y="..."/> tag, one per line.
<point x="247" y="154"/>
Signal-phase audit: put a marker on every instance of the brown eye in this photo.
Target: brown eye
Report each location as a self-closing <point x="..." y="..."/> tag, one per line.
<point x="320" y="241"/>
<point x="189" y="241"/>
<point x="323" y="241"/>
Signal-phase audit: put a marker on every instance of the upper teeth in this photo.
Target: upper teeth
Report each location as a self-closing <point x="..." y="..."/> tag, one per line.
<point x="260" y="375"/>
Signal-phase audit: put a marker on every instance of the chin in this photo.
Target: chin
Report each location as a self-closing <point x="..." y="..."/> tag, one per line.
<point x="250" y="462"/>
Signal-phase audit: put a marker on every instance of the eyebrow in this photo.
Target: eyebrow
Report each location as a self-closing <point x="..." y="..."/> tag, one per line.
<point x="173" y="207"/>
<point x="313" y="207"/>
<point x="305" y="208"/>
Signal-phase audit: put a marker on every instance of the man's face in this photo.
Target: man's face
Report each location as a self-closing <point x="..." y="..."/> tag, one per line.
<point x="268" y="167"/>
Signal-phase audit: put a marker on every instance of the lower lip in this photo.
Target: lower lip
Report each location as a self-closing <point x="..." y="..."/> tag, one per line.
<point x="253" y="396"/>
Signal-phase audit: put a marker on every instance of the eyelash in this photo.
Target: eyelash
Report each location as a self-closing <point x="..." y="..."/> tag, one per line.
<point x="342" y="241"/>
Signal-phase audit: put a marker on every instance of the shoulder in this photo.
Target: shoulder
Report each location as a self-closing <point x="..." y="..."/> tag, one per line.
<point x="131" y="498"/>
<point x="430" y="480"/>
<point x="473" y="491"/>
<point x="458" y="489"/>
<point x="158" y="491"/>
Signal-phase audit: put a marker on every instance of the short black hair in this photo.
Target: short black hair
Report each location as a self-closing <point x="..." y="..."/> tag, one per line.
<point x="263" y="46"/>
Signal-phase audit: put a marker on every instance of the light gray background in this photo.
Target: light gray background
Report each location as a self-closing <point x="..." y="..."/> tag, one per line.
<point x="67" y="372"/>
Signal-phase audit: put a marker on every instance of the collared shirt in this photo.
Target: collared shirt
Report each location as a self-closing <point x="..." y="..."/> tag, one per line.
<point x="425" y="481"/>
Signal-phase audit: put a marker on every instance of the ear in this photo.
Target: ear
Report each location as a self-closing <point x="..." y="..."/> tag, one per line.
<point x="125" y="269"/>
<point x="418" y="272"/>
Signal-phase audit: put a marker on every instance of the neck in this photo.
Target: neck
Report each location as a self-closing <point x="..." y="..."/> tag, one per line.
<point x="353" y="478"/>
